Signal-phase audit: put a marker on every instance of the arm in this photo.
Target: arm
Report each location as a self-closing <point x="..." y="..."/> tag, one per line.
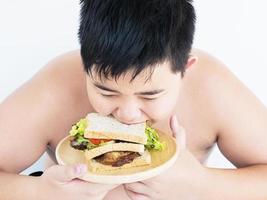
<point x="20" y="120"/>
<point x="242" y="128"/>
<point x="37" y="114"/>
<point x="40" y="112"/>
<point x="26" y="125"/>
<point x="14" y="186"/>
<point x="239" y="122"/>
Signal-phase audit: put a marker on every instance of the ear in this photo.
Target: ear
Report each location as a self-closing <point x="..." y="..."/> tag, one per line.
<point x="191" y="61"/>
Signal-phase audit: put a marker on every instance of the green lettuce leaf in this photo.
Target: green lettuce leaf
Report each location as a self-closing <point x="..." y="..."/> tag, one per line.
<point x="153" y="142"/>
<point x="77" y="131"/>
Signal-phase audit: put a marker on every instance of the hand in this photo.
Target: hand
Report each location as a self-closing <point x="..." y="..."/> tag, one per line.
<point x="184" y="180"/>
<point x="62" y="182"/>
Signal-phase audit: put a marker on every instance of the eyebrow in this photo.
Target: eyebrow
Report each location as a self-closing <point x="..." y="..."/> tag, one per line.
<point x="150" y="92"/>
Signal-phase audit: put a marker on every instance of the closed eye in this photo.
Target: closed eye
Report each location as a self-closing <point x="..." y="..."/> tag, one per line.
<point x="149" y="99"/>
<point x="107" y="95"/>
<point x="111" y="95"/>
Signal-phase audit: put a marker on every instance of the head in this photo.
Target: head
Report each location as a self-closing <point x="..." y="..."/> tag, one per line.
<point x="134" y="53"/>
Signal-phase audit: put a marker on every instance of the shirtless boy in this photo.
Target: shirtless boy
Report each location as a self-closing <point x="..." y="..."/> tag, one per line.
<point x="136" y="63"/>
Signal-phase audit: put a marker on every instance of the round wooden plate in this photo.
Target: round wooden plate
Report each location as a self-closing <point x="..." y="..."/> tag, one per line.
<point x="160" y="161"/>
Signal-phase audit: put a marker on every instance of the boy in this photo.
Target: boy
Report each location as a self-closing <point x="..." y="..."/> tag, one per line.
<point x="136" y="63"/>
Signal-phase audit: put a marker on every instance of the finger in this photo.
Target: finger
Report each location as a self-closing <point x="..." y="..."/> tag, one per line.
<point x="140" y="188"/>
<point x="136" y="196"/>
<point x="66" y="173"/>
<point x="137" y="187"/>
<point x="174" y="125"/>
<point x="181" y="138"/>
<point x="178" y="132"/>
<point x="90" y="188"/>
<point x="101" y="188"/>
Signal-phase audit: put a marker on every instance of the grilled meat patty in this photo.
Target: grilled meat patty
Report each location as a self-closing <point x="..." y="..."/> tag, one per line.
<point x="117" y="158"/>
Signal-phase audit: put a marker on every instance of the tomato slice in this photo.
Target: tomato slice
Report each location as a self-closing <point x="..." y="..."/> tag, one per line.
<point x="98" y="141"/>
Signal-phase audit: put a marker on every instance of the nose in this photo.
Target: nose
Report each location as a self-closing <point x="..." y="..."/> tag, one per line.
<point x="128" y="113"/>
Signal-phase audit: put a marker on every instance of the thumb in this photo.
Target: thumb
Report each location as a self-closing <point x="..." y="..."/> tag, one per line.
<point x="66" y="173"/>
<point x="178" y="132"/>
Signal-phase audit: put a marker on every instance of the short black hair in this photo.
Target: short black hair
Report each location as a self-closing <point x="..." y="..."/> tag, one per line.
<point x="121" y="35"/>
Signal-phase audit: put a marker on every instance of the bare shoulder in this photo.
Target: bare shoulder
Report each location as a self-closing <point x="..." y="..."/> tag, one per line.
<point x="238" y="117"/>
<point x="40" y="112"/>
<point x="194" y="105"/>
<point x="65" y="86"/>
<point x="204" y="82"/>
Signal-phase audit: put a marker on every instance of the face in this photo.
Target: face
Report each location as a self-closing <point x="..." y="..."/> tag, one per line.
<point x="152" y="99"/>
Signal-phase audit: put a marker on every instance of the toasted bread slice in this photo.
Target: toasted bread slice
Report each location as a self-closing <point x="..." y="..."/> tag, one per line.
<point x="106" y="127"/>
<point x="121" y="146"/>
<point x="96" y="167"/>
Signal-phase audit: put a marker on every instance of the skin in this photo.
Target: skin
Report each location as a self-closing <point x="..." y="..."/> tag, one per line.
<point x="210" y="104"/>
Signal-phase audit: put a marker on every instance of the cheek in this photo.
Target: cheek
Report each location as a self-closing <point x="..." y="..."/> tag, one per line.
<point x="100" y="104"/>
<point x="161" y="109"/>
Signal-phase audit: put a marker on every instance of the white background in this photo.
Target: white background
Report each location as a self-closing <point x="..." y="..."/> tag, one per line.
<point x="33" y="32"/>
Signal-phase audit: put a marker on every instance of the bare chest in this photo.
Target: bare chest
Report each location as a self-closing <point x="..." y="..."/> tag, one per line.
<point x="200" y="136"/>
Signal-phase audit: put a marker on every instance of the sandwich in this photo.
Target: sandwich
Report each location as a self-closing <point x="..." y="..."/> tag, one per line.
<point x="110" y="145"/>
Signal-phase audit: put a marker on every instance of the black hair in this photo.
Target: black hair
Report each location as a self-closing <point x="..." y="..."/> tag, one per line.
<point x="121" y="35"/>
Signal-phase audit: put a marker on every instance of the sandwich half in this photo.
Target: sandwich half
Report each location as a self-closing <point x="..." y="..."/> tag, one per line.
<point x="110" y="145"/>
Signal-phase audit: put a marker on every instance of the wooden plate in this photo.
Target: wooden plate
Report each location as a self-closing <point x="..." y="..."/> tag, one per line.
<point x="160" y="161"/>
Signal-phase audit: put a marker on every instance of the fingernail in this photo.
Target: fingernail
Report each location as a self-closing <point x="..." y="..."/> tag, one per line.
<point x="83" y="169"/>
<point x="174" y="121"/>
<point x="77" y="169"/>
<point x="80" y="169"/>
